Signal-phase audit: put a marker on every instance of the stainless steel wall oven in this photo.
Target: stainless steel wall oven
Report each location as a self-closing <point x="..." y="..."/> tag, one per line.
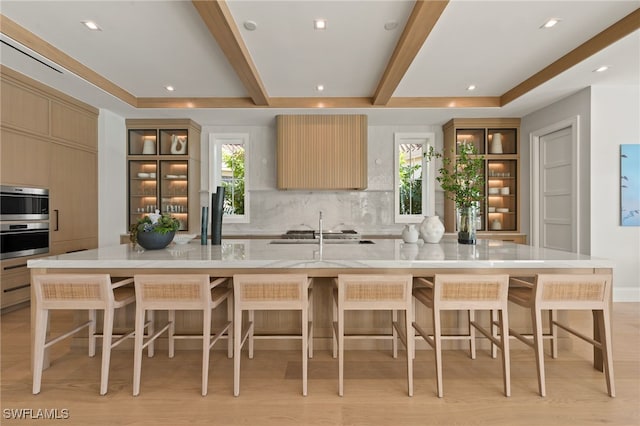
<point x="23" y="239"/>
<point x="24" y="221"/>
<point x="18" y="203"/>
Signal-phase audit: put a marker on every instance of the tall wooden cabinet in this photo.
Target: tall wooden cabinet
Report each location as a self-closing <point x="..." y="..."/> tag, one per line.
<point x="163" y="164"/>
<point x="49" y="140"/>
<point x="498" y="141"/>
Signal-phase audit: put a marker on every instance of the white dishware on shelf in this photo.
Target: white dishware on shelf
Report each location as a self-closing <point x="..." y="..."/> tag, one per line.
<point x="143" y="175"/>
<point x="494" y="191"/>
<point x="492" y="209"/>
<point x="152" y="175"/>
<point x="502" y="210"/>
<point x="496" y="225"/>
<point x="504" y="191"/>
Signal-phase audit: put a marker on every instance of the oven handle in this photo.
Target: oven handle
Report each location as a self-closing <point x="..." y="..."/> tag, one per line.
<point x="57" y="219"/>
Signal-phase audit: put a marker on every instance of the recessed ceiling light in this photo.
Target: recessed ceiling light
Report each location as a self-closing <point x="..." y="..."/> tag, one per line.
<point x="250" y="25"/>
<point x="471" y="87"/>
<point x="320" y="24"/>
<point x="319" y="88"/>
<point x="170" y="88"/>
<point x="550" y="23"/>
<point x="391" y="25"/>
<point x="601" y="69"/>
<point x="91" y="25"/>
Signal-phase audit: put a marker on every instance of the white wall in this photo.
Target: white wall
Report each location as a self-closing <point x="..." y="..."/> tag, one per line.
<point x="608" y="118"/>
<point x="615" y="120"/>
<point x="112" y="178"/>
<point x="273" y="211"/>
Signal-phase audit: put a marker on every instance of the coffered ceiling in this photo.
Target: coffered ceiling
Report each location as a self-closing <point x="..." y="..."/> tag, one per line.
<point x="417" y="72"/>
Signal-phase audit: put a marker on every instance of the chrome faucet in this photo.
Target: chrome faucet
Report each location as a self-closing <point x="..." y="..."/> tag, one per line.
<point x="320" y="228"/>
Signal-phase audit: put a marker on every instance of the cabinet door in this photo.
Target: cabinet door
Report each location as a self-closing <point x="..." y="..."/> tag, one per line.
<point x="73" y="194"/>
<point x="174" y="190"/>
<point x="143" y="189"/>
<point x="24" y="159"/>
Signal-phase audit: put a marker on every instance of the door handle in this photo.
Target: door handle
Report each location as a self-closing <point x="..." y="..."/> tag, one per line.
<point x="57" y="219"/>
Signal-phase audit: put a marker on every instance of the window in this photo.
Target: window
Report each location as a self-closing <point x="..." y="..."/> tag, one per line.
<point x="413" y="177"/>
<point x="228" y="162"/>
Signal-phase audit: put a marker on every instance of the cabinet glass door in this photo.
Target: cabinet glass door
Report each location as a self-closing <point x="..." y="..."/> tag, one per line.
<point x="502" y="197"/>
<point x="143" y="189"/>
<point x="174" y="190"/>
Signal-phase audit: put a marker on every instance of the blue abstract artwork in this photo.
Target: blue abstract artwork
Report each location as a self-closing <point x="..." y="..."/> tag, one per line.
<point x="630" y="185"/>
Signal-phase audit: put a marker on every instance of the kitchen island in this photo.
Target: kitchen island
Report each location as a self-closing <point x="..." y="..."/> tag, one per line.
<point x="323" y="262"/>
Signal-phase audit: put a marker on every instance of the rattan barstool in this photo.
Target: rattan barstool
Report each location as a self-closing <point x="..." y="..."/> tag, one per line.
<point x="265" y="292"/>
<point x="79" y="292"/>
<point x="456" y="292"/>
<point x="172" y="292"/>
<point x="554" y="292"/>
<point x="360" y="292"/>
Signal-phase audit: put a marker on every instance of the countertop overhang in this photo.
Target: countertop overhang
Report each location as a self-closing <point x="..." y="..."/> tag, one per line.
<point x="385" y="254"/>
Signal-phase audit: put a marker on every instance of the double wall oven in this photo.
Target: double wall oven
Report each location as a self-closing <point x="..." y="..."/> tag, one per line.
<point x="24" y="221"/>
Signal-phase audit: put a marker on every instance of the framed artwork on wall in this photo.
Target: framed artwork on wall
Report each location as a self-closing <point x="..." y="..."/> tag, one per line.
<point x="630" y="185"/>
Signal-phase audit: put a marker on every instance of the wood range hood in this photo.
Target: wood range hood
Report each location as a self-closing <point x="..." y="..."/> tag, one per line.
<point x="322" y="152"/>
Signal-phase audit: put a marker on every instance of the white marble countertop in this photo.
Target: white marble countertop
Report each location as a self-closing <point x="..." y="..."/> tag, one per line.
<point x="384" y="253"/>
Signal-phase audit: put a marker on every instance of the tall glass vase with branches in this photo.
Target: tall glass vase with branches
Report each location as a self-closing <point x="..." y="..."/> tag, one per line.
<point x="461" y="176"/>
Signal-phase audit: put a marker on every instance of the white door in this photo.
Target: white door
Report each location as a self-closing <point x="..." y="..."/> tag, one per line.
<point x="557" y="206"/>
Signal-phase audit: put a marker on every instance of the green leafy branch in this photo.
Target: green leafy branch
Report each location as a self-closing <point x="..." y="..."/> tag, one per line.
<point x="464" y="182"/>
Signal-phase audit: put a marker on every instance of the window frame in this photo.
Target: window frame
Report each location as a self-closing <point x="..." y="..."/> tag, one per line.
<point x="427" y="140"/>
<point x="216" y="140"/>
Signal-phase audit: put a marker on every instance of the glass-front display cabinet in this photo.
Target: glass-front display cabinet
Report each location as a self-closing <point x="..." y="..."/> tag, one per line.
<point x="497" y="141"/>
<point x="164" y="170"/>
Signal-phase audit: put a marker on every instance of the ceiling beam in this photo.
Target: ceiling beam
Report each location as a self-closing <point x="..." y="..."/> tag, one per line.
<point x="217" y="16"/>
<point x="615" y="32"/>
<point x="322" y="102"/>
<point x="423" y="18"/>
<point x="55" y="55"/>
<point x="445" y="102"/>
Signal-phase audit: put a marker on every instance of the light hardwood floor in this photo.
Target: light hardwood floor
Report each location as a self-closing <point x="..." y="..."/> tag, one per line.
<point x="375" y="386"/>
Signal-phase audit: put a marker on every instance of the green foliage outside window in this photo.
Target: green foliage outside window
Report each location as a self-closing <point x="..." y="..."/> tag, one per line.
<point x="410" y="186"/>
<point x="234" y="184"/>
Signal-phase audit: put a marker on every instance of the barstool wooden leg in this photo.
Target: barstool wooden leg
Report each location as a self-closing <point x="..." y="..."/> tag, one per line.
<point x="309" y="324"/>
<point x="252" y="319"/>
<point x="334" y="318"/>
<point x="553" y="318"/>
<point x="206" y="341"/>
<point x="472" y="334"/>
<point x="504" y="340"/>
<point x="137" y="356"/>
<point x="230" y="333"/>
<point x="437" y="349"/>
<point x="305" y="350"/>
<point x="42" y="318"/>
<point x="92" y="332"/>
<point x="410" y="335"/>
<point x="394" y="332"/>
<point x="607" y="353"/>
<point x="538" y="348"/>
<point x="494" y="332"/>
<point x="340" y="352"/>
<point x="151" y="330"/>
<point x="171" y="333"/>
<point x="237" y="347"/>
<point x="107" y="332"/>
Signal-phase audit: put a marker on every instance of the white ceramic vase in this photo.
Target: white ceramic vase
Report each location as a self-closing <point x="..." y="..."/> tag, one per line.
<point x="410" y="234"/>
<point x="178" y="144"/>
<point x="496" y="144"/>
<point x="431" y="229"/>
<point x="149" y="147"/>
